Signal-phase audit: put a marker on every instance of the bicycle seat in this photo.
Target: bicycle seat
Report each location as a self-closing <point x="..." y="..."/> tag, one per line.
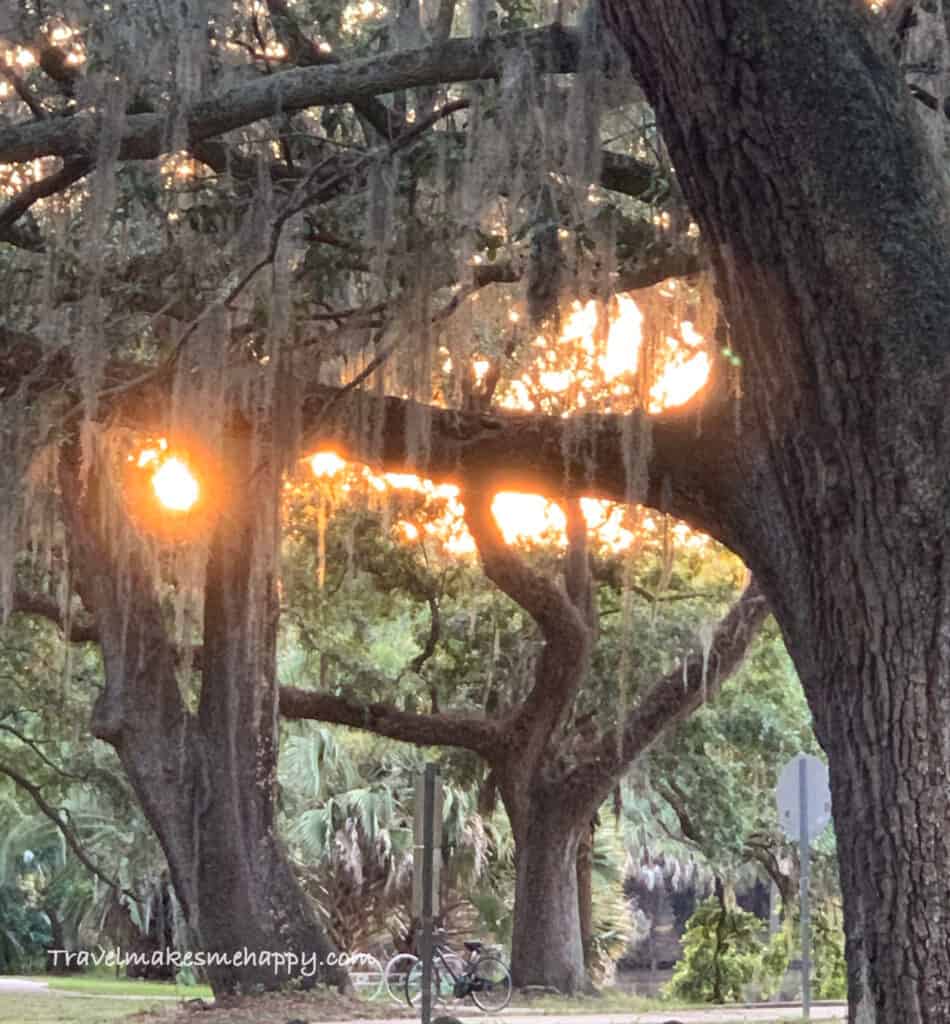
<point x="472" y="947"/>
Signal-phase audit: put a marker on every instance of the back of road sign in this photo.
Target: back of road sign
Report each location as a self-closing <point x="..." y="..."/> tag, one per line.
<point x="818" y="801"/>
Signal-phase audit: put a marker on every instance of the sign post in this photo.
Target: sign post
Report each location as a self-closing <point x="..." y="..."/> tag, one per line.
<point x="425" y="892"/>
<point x="804" y="848"/>
<point x="804" y="810"/>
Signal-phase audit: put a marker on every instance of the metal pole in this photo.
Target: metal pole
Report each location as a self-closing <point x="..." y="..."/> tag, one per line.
<point x="428" y="815"/>
<point x="804" y="850"/>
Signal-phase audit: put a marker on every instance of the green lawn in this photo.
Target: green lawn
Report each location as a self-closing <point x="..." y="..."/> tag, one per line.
<point x="103" y="985"/>
<point x="54" y="1009"/>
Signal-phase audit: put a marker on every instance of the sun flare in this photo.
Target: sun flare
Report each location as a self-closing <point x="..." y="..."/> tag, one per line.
<point x="175" y="486"/>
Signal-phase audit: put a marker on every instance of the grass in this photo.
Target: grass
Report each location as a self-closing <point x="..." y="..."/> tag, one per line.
<point x="52" y="1009"/>
<point x="112" y="986"/>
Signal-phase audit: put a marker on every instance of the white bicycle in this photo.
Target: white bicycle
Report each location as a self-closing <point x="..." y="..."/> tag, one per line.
<point x="367" y="976"/>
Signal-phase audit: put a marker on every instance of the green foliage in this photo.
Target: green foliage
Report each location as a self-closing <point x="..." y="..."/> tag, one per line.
<point x="24" y="930"/>
<point x="831" y="971"/>
<point x="610" y="913"/>
<point x="722" y="950"/>
<point x="775" y="959"/>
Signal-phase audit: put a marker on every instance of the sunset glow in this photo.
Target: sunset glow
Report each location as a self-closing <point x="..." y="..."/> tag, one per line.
<point x="591" y="364"/>
<point x="522" y="518"/>
<point x="175" y="485"/>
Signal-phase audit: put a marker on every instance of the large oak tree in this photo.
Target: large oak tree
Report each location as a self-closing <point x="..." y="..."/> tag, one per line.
<point x="552" y="774"/>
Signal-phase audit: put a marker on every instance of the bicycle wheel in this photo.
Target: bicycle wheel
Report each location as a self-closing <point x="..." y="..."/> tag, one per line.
<point x="396" y="974"/>
<point x="491" y="984"/>
<point x="366" y="974"/>
<point x="414" y="985"/>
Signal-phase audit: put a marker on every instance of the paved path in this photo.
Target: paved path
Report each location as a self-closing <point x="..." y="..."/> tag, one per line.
<point x="717" y="1015"/>
<point x="23" y="985"/>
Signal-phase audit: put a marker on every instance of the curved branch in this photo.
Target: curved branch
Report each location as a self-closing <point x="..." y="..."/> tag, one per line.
<point x="71" y="171"/>
<point x="69" y="835"/>
<point x="549" y="606"/>
<point x="692" y="683"/>
<point x="560" y="614"/>
<point x="469" y="732"/>
<point x="35" y="747"/>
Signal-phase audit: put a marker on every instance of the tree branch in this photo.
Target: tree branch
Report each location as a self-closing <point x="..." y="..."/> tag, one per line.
<point x="432" y="640"/>
<point x="68" y="834"/>
<point x="71" y="171"/>
<point x="34" y="746"/>
<point x="560" y="614"/>
<point x="692" y="683"/>
<point x="551" y="50"/>
<point x="36" y="108"/>
<point x="469" y="732"/>
<point x="540" y="597"/>
<point x="305" y="53"/>
<point x="687" y="452"/>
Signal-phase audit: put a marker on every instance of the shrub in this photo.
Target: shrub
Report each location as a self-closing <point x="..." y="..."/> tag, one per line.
<point x="722" y="951"/>
<point x="24" y="931"/>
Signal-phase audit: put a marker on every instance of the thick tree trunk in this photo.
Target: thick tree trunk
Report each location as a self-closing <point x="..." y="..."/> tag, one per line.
<point x="206" y="782"/>
<point x="879" y="687"/>
<point x="546" y="946"/>
<point x="799" y="150"/>
<point x="247" y="893"/>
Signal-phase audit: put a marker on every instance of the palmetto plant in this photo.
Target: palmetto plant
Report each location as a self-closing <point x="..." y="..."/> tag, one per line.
<point x="348" y="803"/>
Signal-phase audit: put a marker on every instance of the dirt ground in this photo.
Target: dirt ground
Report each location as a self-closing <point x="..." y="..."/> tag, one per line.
<point x="273" y="1008"/>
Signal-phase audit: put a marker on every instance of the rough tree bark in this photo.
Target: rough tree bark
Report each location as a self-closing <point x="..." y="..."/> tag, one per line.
<point x="206" y="781"/>
<point x="584" y="871"/>
<point x="799" y="150"/>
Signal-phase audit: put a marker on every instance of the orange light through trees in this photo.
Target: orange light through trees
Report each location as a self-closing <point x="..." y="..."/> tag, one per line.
<point x="175" y="485"/>
<point x="522" y="518"/>
<point x="587" y="373"/>
<point x="575" y="368"/>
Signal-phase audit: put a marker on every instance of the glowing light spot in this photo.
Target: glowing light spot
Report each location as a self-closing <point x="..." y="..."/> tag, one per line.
<point x="526" y="516"/>
<point x="326" y="464"/>
<point x="175" y="485"/>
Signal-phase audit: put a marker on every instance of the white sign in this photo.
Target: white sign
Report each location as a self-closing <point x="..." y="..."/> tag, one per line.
<point x="788" y="796"/>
